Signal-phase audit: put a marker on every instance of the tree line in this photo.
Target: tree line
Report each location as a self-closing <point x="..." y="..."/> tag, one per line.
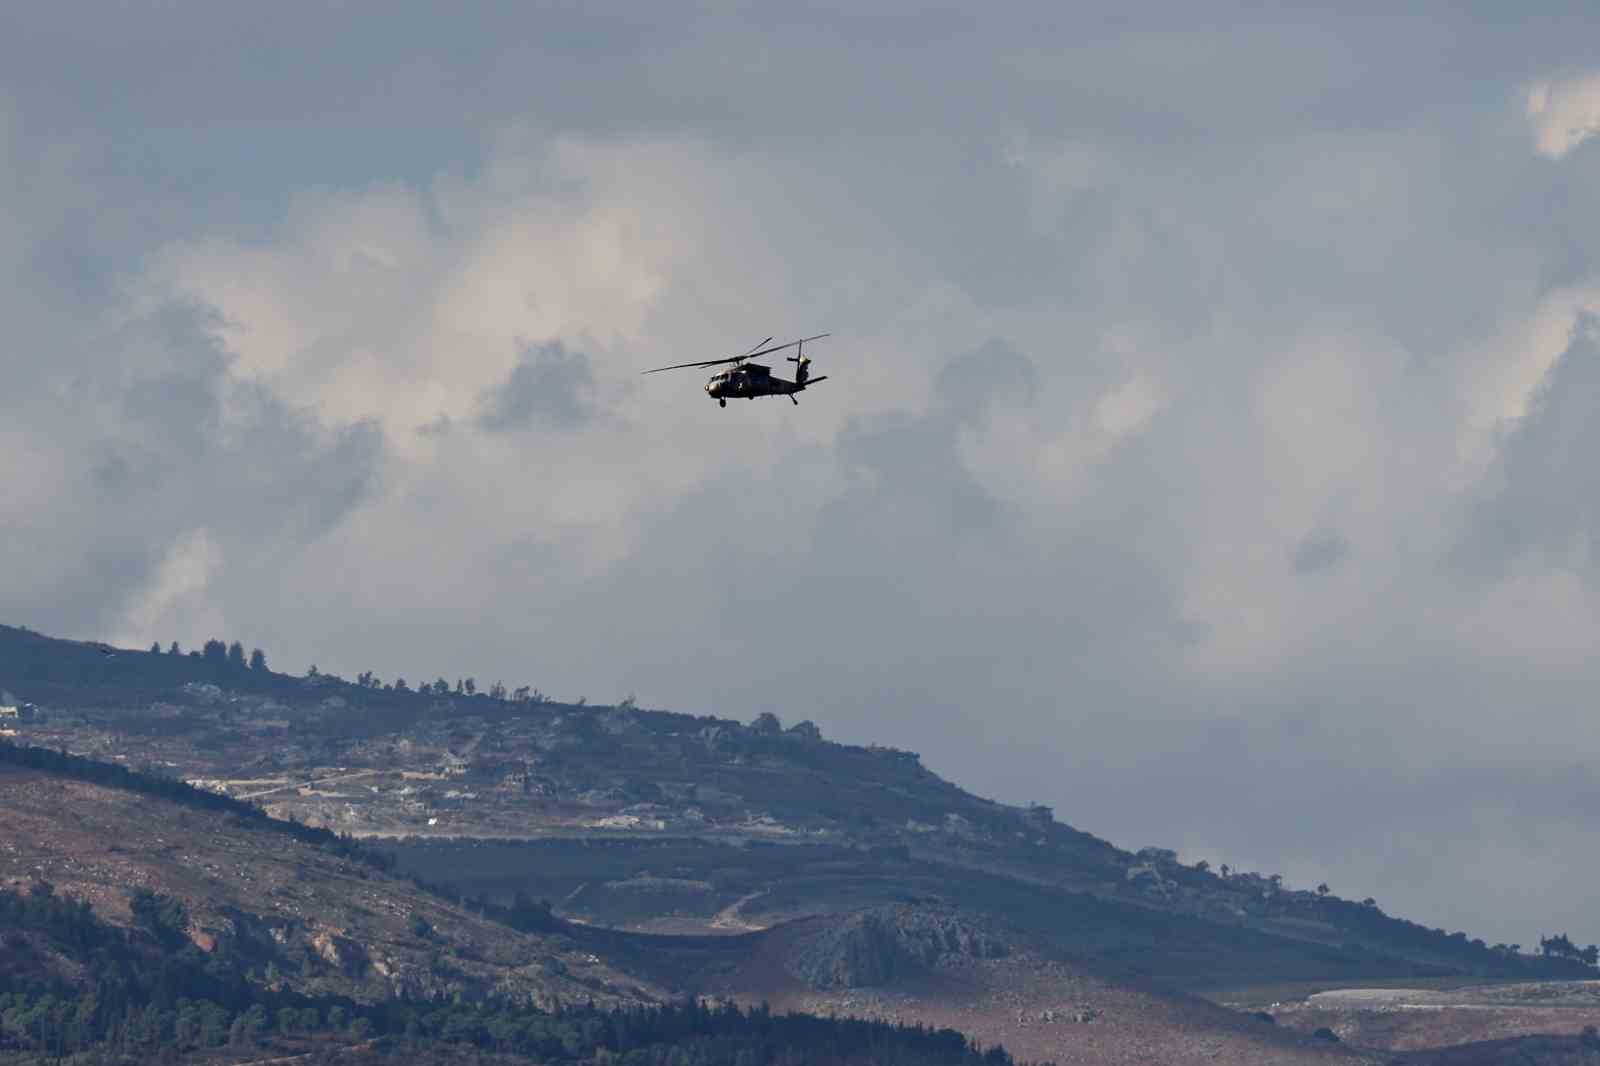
<point x="219" y="651"/>
<point x="143" y="997"/>
<point x="1560" y="946"/>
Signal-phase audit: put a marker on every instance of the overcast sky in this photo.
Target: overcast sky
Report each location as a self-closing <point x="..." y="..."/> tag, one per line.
<point x="1209" y="448"/>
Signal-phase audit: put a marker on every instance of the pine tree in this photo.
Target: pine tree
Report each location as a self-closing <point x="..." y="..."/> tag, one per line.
<point x="258" y="661"/>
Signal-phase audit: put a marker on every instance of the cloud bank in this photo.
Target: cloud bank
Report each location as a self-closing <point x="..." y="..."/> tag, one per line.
<point x="1206" y="448"/>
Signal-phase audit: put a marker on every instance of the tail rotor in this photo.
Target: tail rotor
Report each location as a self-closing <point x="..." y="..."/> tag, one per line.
<point x="802" y="369"/>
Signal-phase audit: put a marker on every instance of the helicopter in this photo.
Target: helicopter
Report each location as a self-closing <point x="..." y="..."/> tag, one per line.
<point x="749" y="380"/>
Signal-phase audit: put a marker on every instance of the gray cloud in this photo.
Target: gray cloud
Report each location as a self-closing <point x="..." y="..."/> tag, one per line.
<point x="1544" y="494"/>
<point x="548" y="384"/>
<point x="150" y="443"/>
<point x="1141" y="323"/>
<point x="1322" y="549"/>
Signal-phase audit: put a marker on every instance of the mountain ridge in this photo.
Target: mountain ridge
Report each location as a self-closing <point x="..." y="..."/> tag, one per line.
<point x="675" y="855"/>
<point x="374" y="762"/>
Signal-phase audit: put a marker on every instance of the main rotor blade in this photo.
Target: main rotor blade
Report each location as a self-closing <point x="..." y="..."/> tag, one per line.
<point x="756" y="345"/>
<point x="738" y="358"/>
<point x="708" y="362"/>
<point x="791" y="344"/>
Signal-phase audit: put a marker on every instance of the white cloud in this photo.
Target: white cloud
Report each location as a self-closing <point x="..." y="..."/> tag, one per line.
<point x="1564" y="113"/>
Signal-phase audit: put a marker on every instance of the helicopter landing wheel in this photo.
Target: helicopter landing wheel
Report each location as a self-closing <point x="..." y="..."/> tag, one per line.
<point x="722" y="403"/>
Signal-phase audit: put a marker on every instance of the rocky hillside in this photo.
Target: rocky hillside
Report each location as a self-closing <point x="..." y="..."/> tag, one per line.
<point x="660" y="821"/>
<point x="298" y="913"/>
<point x="304" y="914"/>
<point x="927" y="965"/>
<point x="675" y="855"/>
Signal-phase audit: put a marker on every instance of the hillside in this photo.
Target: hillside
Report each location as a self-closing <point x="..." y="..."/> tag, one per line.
<point x="75" y="988"/>
<point x="289" y="916"/>
<point x="659" y="821"/>
<point x="296" y="912"/>
<point x="676" y="855"/>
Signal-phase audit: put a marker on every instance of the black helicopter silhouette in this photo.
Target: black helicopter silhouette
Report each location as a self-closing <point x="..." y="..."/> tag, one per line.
<point x="747" y="380"/>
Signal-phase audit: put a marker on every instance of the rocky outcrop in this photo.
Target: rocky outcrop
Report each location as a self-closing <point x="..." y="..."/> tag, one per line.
<point x="879" y="946"/>
<point x="346" y="956"/>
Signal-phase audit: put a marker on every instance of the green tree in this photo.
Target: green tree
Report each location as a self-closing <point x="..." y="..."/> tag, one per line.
<point x="163" y="917"/>
<point x="155" y="649"/>
<point x="258" y="661"/>
<point x="236" y="655"/>
<point x="186" y="1026"/>
<point x="174" y="649"/>
<point x="249" y="1025"/>
<point x="1558" y="946"/>
<point x="215" y="650"/>
<point x="213" y="1025"/>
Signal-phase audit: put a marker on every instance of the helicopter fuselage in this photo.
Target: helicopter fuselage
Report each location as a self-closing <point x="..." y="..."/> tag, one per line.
<point x="742" y="379"/>
<point x="746" y="381"/>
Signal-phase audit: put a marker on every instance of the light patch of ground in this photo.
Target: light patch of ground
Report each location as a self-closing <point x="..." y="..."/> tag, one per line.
<point x="1413" y="1019"/>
